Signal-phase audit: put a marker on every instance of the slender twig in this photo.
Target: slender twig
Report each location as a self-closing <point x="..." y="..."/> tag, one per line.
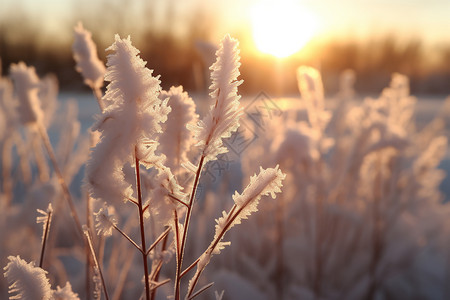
<point x="62" y="182"/>
<point x="88" y="256"/>
<point x="94" y="256"/>
<point x="156" y="285"/>
<point x="178" y="200"/>
<point x="163" y="235"/>
<point x="155" y="273"/>
<point x="141" y="223"/>
<point x="45" y="236"/>
<point x="133" y="201"/>
<point x="190" y="267"/>
<point x="127" y="237"/>
<point x="186" y="226"/>
<point x="201" y="290"/>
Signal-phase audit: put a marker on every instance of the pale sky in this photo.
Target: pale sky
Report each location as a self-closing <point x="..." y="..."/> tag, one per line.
<point x="428" y="20"/>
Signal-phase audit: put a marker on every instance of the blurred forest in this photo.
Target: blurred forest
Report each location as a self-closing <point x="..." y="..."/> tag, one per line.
<point x="176" y="46"/>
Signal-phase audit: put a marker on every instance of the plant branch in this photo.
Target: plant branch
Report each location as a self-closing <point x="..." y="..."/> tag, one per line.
<point x="62" y="182"/>
<point x="163" y="235"/>
<point x="127" y="237"/>
<point x="186" y="226"/>
<point x="141" y="224"/>
<point x="45" y="236"/>
<point x="178" y="200"/>
<point x="94" y="256"/>
<point x="190" y="267"/>
<point x="201" y="290"/>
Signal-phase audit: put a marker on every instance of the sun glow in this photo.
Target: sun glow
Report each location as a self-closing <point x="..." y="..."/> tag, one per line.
<point x="282" y="28"/>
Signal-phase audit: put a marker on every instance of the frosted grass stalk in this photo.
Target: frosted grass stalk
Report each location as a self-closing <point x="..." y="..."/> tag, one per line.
<point x="87" y="62"/>
<point x="26" y="84"/>
<point x="220" y="123"/>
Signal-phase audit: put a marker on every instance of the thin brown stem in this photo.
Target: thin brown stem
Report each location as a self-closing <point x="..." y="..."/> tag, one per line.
<point x="88" y="256"/>
<point x="186" y="226"/>
<point x="155" y="275"/>
<point x="163" y="235"/>
<point x="45" y="236"/>
<point x="178" y="200"/>
<point x="156" y="285"/>
<point x="201" y="290"/>
<point x="190" y="267"/>
<point x="141" y="224"/>
<point x="127" y="237"/>
<point x="94" y="256"/>
<point x="62" y="182"/>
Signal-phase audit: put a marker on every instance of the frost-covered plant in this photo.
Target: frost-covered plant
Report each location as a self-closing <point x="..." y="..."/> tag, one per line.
<point x="352" y="190"/>
<point x="28" y="282"/>
<point x="132" y="134"/>
<point x="26" y="84"/>
<point x="88" y="64"/>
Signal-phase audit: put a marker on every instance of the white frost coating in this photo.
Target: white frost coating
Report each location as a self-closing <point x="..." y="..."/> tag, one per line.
<point x="44" y="217"/>
<point x="105" y="220"/>
<point x="85" y="55"/>
<point x="311" y="88"/>
<point x="26" y="281"/>
<point x="267" y="182"/>
<point x="132" y="117"/>
<point x="176" y="140"/>
<point x="26" y="86"/>
<point x="65" y="293"/>
<point x="223" y="118"/>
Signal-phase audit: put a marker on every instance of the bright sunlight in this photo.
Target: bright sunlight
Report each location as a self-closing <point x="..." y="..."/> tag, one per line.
<point x="282" y="28"/>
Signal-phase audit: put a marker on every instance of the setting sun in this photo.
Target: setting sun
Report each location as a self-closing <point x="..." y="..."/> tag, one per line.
<point x="282" y="28"/>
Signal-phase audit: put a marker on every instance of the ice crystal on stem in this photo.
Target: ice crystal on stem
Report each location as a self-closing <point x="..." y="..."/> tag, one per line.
<point x="268" y="181"/>
<point x="177" y="139"/>
<point x="223" y="118"/>
<point x="106" y="220"/>
<point x="26" y="281"/>
<point x="132" y="117"/>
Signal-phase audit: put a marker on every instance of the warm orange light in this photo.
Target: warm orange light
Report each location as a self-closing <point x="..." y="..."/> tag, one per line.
<point x="282" y="28"/>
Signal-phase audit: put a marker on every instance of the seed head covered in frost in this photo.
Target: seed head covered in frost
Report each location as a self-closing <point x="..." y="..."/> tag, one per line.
<point x="105" y="220"/>
<point x="176" y="140"/>
<point x="26" y="86"/>
<point x="311" y="88"/>
<point x="132" y="118"/>
<point x="26" y="281"/>
<point x="223" y="118"/>
<point x="85" y="55"/>
<point x="65" y="293"/>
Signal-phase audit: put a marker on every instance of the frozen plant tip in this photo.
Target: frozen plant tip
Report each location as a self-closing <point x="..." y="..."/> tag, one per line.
<point x="26" y="281"/>
<point x="65" y="293"/>
<point x="268" y="181"/>
<point x="46" y="219"/>
<point x="132" y="118"/>
<point x="223" y="119"/>
<point x="106" y="220"/>
<point x="26" y="86"/>
<point x="177" y="139"/>
<point x="85" y="55"/>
